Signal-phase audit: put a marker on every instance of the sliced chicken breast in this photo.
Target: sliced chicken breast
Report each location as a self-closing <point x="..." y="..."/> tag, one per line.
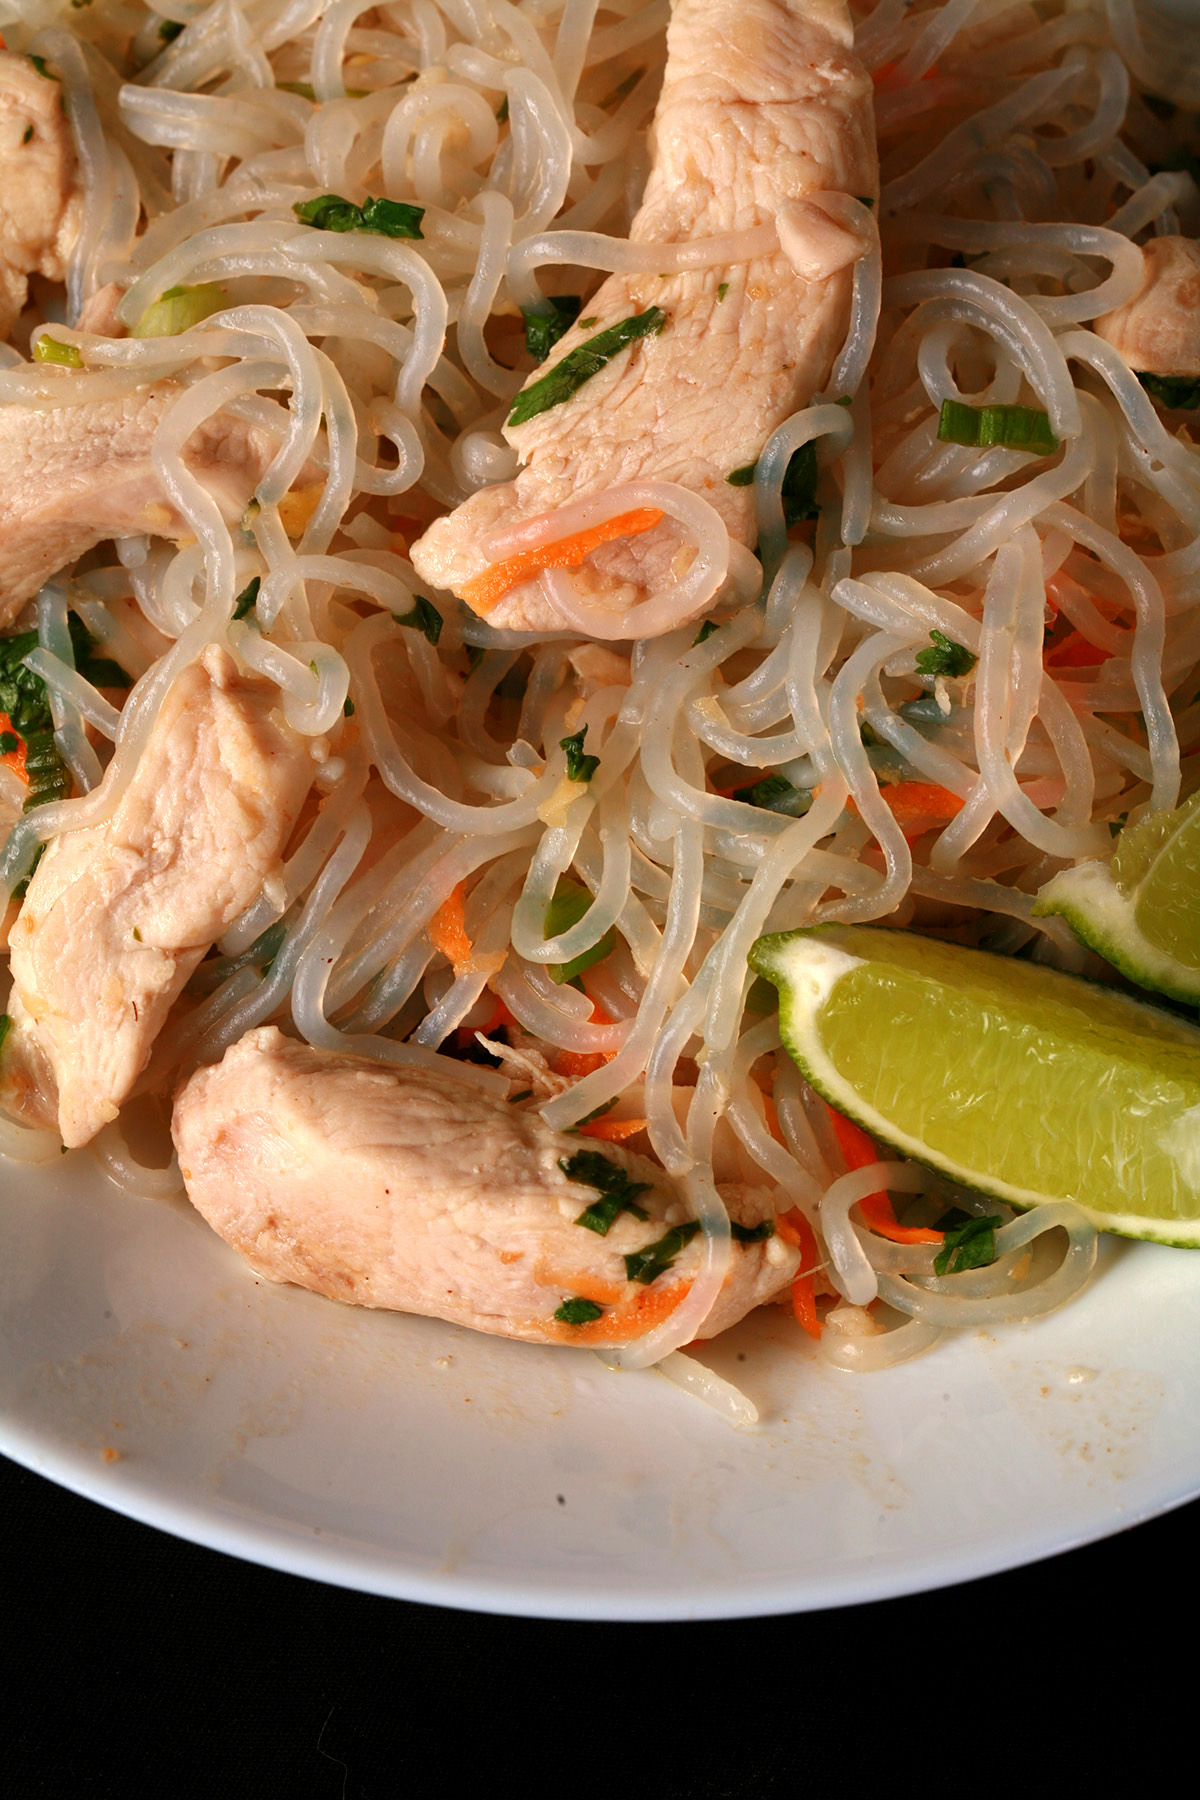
<point x="419" y="1191"/>
<point x="1158" y="331"/>
<point x="765" y="115"/>
<point x="40" y="197"/>
<point x="118" y="915"/>
<point x="74" y="475"/>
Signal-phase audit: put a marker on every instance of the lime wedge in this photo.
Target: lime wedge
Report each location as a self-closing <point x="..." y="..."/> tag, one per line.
<point x="1141" y="910"/>
<point x="1009" y="1077"/>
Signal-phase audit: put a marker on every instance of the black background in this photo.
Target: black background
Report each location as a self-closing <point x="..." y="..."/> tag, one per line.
<point x="136" y="1662"/>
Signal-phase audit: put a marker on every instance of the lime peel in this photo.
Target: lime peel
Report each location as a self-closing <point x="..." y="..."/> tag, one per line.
<point x="1008" y="1077"/>
<point x="1102" y="917"/>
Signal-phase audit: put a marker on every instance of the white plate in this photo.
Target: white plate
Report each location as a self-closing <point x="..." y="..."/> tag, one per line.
<point x="143" y="1366"/>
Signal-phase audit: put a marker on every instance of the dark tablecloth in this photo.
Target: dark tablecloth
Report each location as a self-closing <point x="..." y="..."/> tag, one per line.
<point x="137" y="1661"/>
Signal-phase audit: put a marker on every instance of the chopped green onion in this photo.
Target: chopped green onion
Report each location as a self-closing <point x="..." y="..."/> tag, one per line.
<point x="179" y="308"/>
<point x="49" y="350"/>
<point x="946" y="657"/>
<point x="525" y="1094"/>
<point x="648" y="1264"/>
<point x="598" y="1112"/>
<point x="580" y="364"/>
<point x="1003" y="427"/>
<point x="1179" y="391"/>
<point x="568" y="904"/>
<point x="384" y="218"/>
<point x="424" y="618"/>
<point x="246" y="599"/>
<point x="579" y="766"/>
<point x="751" y="1234"/>
<point x="775" y="793"/>
<point x="971" y="1245"/>
<point x="543" y="330"/>
<point x="617" y="1193"/>
<point x="573" y="1311"/>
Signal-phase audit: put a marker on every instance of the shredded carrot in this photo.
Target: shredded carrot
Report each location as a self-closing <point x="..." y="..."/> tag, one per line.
<point x="877" y="1211"/>
<point x="1076" y="652"/>
<point x="917" y="806"/>
<point x="578" y="1063"/>
<point x="15" y="759"/>
<point x="483" y="592"/>
<point x="613" y="1131"/>
<point x="448" y="930"/>
<point x="795" y="1229"/>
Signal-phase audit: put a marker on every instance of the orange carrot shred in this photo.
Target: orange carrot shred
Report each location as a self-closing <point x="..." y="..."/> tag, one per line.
<point x="1076" y="652"/>
<point x="613" y="1131"/>
<point x="14" y="759"/>
<point x="795" y="1229"/>
<point x="578" y="1063"/>
<point x="448" y="930"/>
<point x="878" y="1213"/>
<point x="485" y="590"/>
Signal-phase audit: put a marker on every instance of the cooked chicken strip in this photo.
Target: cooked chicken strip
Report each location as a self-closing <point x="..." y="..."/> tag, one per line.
<point x="409" y="1189"/>
<point x="40" y="201"/>
<point x="73" y="475"/>
<point x="118" y="915"/>
<point x="1158" y="330"/>
<point x="764" y="110"/>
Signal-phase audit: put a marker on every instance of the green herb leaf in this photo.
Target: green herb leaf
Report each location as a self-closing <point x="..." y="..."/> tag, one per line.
<point x="598" y="1112"/>
<point x="799" y="484"/>
<point x="579" y="766"/>
<point x="617" y="1193"/>
<point x="578" y="1312"/>
<point x="246" y="600"/>
<point x="48" y="775"/>
<point x="567" y="906"/>
<point x="169" y="30"/>
<point x="39" y="63"/>
<point x="1179" y="391"/>
<point x="543" y="330"/>
<point x="5" y="1027"/>
<point x="424" y="618"/>
<point x="383" y="218"/>
<point x="705" y="632"/>
<point x="50" y="350"/>
<point x="989" y="427"/>
<point x="775" y="793"/>
<point x="971" y="1245"/>
<point x="179" y="308"/>
<point x="655" y="1259"/>
<point x="751" y="1234"/>
<point x="580" y="364"/>
<point x="9" y="742"/>
<point x="524" y="1094"/>
<point x="743" y="477"/>
<point x="946" y="657"/>
<point x="864" y="200"/>
<point x="722" y="290"/>
<point x="502" y="112"/>
<point x="28" y="137"/>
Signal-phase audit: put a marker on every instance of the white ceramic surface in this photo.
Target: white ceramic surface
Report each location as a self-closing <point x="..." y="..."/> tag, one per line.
<point x="143" y="1366"/>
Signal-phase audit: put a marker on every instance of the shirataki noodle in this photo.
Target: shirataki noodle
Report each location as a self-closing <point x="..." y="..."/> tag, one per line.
<point x="1017" y="150"/>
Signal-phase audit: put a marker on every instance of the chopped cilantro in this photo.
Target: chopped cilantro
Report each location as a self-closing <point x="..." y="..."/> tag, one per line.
<point x="580" y="364"/>
<point x="246" y="599"/>
<point x="598" y="1112"/>
<point x="799" y="484"/>
<point x="28" y="134"/>
<point x="705" y="632"/>
<point x="743" y="477"/>
<point x="578" y="1312"/>
<point x="424" y="618"/>
<point x="586" y="324"/>
<point x="722" y="290"/>
<point x="1179" y="391"/>
<point x="169" y="30"/>
<point x="383" y="218"/>
<point x="971" y="1245"/>
<point x="39" y="63"/>
<point x="617" y="1193"/>
<point x="9" y="742"/>
<point x="946" y="657"/>
<point x="347" y="708"/>
<point x="648" y="1264"/>
<point x="751" y="1234"/>
<point x="579" y="766"/>
<point x="864" y="200"/>
<point x="775" y="793"/>
<point x="543" y="330"/>
<point x="525" y="1094"/>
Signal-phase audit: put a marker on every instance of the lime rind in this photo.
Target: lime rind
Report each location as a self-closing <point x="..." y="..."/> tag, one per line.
<point x="1103" y="918"/>
<point x="806" y="971"/>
